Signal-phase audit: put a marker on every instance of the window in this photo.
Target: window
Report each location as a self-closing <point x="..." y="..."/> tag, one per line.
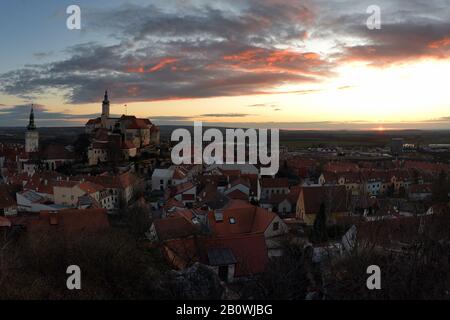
<point x="276" y="226"/>
<point x="232" y="220"/>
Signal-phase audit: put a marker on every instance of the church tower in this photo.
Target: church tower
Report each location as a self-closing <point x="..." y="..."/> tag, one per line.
<point x="31" y="135"/>
<point x="105" y="106"/>
<point x="105" y="111"/>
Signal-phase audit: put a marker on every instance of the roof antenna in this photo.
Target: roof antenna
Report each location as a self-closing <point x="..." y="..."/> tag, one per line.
<point x="126" y="109"/>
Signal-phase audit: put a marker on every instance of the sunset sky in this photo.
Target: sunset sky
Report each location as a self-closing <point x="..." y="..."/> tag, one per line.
<point x="270" y="63"/>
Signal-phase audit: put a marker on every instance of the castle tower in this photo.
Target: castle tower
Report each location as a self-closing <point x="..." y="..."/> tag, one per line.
<point x="31" y="135"/>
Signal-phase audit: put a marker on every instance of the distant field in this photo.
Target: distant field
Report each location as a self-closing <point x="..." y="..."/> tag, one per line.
<point x="359" y="138"/>
<point x="290" y="138"/>
<point x="64" y="135"/>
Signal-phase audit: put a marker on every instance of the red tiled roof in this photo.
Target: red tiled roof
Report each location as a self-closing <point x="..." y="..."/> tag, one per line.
<point x="237" y="194"/>
<point x="242" y="181"/>
<point x="181" y="188"/>
<point x="341" y="167"/>
<point x="350" y="177"/>
<point x="101" y="134"/>
<point x="139" y="124"/>
<point x="301" y="163"/>
<point x="230" y="173"/>
<point x="171" y="203"/>
<point x="250" y="251"/>
<point x="70" y="221"/>
<point x="249" y="219"/>
<point x="275" y="183"/>
<point x="90" y="187"/>
<point x="64" y="183"/>
<point x="278" y="198"/>
<point x="426" y="166"/>
<point x="111" y="181"/>
<point x="174" y="228"/>
<point x="94" y="121"/>
<point x="237" y="204"/>
<point x="179" y="174"/>
<point x="54" y="151"/>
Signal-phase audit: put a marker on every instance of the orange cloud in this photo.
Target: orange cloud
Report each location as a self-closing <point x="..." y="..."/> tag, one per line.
<point x="160" y="65"/>
<point x="440" y="43"/>
<point x="274" y="60"/>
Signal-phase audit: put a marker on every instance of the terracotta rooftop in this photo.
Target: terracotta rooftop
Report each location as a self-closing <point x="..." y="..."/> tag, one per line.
<point x="174" y="228"/>
<point x="70" y="222"/>
<point x="275" y="183"/>
<point x="248" y="219"/>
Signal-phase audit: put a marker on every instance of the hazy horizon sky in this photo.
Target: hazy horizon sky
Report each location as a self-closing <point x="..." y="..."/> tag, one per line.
<point x="286" y="63"/>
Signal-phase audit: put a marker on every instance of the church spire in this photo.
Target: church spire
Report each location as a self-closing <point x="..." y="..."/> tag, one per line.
<point x="31" y="125"/>
<point x="105" y="106"/>
<point x="106" y="100"/>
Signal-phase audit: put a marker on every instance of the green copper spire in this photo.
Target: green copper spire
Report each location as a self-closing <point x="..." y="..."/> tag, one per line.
<point x="31" y="125"/>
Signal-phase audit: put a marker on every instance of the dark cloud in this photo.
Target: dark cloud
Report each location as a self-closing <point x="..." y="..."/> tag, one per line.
<point x="211" y="49"/>
<point x="202" y="51"/>
<point x="399" y="43"/>
<point x="19" y="115"/>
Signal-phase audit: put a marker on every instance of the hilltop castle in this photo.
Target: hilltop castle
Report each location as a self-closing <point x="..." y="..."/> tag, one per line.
<point x="127" y="133"/>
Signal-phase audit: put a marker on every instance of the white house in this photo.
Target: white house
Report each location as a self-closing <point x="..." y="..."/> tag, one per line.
<point x="271" y="187"/>
<point x="162" y="178"/>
